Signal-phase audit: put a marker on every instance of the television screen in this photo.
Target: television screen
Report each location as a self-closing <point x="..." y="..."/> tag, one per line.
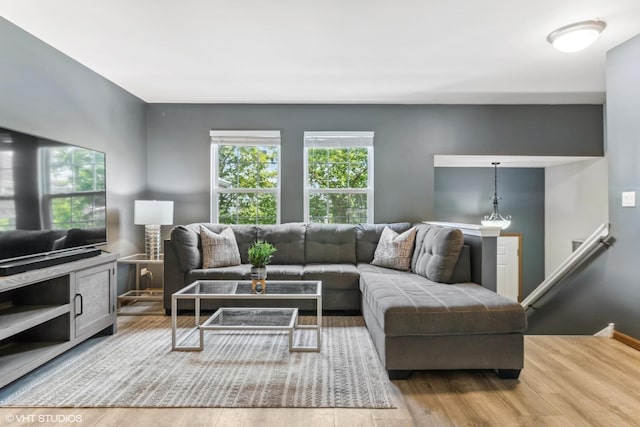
<point x="52" y="196"/>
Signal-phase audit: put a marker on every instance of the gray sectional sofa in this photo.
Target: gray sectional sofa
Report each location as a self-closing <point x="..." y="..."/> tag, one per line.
<point x="430" y="317"/>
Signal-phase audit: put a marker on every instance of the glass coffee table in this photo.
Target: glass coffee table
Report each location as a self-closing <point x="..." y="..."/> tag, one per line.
<point x="247" y="318"/>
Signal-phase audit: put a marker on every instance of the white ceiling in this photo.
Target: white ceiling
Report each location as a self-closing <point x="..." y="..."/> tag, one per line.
<point x="333" y="51"/>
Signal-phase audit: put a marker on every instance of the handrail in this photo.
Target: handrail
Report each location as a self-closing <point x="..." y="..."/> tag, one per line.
<point x="567" y="266"/>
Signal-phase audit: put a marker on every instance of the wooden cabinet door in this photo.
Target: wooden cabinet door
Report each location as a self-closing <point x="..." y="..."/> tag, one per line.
<point x="94" y="299"/>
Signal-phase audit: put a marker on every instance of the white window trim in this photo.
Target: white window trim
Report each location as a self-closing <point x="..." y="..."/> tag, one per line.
<point x="242" y="137"/>
<point x="339" y="140"/>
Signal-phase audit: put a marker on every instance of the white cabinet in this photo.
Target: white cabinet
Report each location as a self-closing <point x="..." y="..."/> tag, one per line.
<point x="45" y="312"/>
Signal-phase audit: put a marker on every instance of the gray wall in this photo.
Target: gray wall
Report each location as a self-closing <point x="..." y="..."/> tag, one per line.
<point x="406" y="138"/>
<point x="463" y="195"/>
<point x="46" y="93"/>
<point x="608" y="290"/>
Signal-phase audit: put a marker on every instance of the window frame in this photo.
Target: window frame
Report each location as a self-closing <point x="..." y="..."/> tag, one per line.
<point x="245" y="138"/>
<point x="337" y="140"/>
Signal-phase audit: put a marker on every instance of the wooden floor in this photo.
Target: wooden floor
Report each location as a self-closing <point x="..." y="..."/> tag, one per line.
<point x="567" y="381"/>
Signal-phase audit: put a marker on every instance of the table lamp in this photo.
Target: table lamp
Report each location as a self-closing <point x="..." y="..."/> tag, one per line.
<point x="152" y="214"/>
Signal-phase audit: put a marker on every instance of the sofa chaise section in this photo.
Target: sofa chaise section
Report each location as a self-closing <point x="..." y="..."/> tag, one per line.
<point x="417" y="323"/>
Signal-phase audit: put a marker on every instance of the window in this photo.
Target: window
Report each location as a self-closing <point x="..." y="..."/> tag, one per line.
<point x="245" y="187"/>
<point x="7" y="203"/>
<point x="74" y="188"/>
<point x="338" y="177"/>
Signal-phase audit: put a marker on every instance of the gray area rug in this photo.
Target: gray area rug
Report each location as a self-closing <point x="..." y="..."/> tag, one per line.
<point x="136" y="368"/>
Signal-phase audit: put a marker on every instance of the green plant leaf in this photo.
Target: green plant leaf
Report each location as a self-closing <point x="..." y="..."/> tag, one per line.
<point x="260" y="253"/>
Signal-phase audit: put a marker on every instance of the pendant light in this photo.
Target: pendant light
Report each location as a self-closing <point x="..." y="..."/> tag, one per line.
<point x="495" y="219"/>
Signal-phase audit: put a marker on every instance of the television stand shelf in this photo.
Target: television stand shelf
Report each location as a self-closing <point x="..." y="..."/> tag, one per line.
<point x="47" y="311"/>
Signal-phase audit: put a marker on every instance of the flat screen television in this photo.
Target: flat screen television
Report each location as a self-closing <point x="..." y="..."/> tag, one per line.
<point x="52" y="199"/>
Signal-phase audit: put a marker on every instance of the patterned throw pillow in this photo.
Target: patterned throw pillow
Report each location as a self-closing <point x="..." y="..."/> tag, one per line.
<point x="219" y="250"/>
<point x="395" y="250"/>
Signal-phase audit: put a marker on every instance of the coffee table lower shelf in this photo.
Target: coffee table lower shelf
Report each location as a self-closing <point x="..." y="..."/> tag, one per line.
<point x="243" y="319"/>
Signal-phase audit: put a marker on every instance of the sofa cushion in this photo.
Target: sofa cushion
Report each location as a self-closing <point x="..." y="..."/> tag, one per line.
<point x="245" y="236"/>
<point x="406" y="304"/>
<point x="288" y="240"/>
<point x="364" y="267"/>
<point x="437" y="251"/>
<point x="462" y="271"/>
<point x="368" y="235"/>
<point x="236" y="272"/>
<point x="219" y="250"/>
<point x="395" y="249"/>
<point x="330" y="244"/>
<point x="187" y="242"/>
<point x="333" y="276"/>
<point x="284" y="272"/>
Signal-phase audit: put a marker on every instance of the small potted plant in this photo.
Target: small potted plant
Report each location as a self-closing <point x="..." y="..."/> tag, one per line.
<point x="260" y="254"/>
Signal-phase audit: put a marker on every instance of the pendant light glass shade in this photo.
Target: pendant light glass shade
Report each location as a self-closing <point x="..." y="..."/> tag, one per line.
<point x="495" y="219"/>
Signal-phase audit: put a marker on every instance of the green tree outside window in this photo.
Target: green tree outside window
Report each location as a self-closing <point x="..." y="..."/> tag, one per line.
<point x="242" y="170"/>
<point x="334" y="169"/>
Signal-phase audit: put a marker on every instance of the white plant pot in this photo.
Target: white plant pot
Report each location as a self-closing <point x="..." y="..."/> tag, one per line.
<point x="258" y="273"/>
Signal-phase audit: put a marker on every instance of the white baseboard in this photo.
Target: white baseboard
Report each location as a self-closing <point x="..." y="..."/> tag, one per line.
<point x="606" y="332"/>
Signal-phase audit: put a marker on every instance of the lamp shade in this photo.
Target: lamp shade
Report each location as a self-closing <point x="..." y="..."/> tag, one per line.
<point x="147" y="212"/>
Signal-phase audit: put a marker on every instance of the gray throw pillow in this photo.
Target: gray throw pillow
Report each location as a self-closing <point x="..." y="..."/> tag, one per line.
<point x="394" y="250"/>
<point x="219" y="250"/>
<point x="438" y="254"/>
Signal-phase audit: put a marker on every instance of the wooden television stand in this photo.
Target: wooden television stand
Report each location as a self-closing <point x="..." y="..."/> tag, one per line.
<point x="47" y="311"/>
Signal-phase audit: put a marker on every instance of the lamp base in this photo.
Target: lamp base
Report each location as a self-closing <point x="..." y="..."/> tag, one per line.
<point x="152" y="241"/>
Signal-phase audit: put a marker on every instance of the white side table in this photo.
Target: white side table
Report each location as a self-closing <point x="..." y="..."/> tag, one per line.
<point x="155" y="294"/>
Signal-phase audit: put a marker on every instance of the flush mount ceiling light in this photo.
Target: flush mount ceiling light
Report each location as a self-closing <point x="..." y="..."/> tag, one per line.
<point x="575" y="37"/>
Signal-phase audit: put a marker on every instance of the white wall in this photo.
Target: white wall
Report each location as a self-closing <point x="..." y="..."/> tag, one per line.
<point x="576" y="203"/>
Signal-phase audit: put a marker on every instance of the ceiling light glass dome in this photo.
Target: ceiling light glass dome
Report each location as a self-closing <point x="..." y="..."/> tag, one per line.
<point x="576" y="37"/>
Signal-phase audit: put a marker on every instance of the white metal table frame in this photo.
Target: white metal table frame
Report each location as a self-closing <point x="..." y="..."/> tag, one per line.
<point x="137" y="294"/>
<point x="197" y="297"/>
<point x="290" y="326"/>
